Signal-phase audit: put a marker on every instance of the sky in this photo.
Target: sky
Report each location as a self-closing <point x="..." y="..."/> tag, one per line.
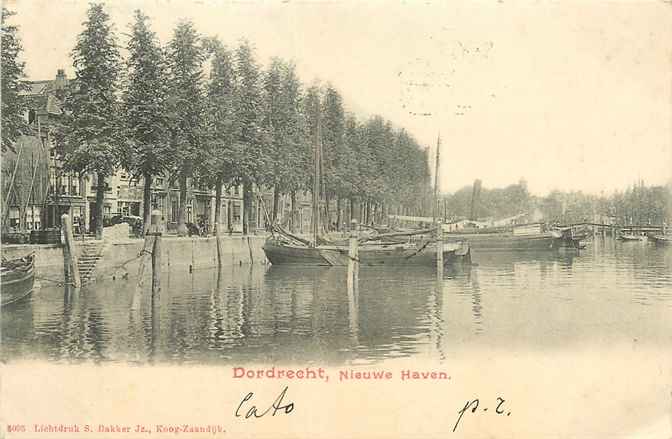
<point x="566" y="95"/>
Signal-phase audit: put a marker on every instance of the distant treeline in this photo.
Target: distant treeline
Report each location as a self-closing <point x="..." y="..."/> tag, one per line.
<point x="638" y="204"/>
<point x="206" y="115"/>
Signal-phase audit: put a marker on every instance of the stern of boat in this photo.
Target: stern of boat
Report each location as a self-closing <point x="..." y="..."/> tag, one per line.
<point x="458" y="252"/>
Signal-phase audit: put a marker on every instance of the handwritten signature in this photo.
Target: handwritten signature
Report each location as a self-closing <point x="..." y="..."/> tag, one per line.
<point x="500" y="410"/>
<point x="275" y="408"/>
<point x="279" y="407"/>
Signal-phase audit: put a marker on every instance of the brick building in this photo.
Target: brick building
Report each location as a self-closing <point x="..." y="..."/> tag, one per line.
<point x="74" y="194"/>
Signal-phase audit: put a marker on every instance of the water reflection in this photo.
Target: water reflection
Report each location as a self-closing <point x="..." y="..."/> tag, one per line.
<point x="609" y="293"/>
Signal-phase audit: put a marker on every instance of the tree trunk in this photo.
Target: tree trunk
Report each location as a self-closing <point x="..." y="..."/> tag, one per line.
<point x="352" y="209"/>
<point x="292" y="221"/>
<point x="229" y="217"/>
<point x="367" y="211"/>
<point x="218" y="219"/>
<point x="146" y="203"/>
<point x="247" y="207"/>
<point x="327" y="216"/>
<point x="276" y="199"/>
<point x="100" y="200"/>
<point x="182" y="210"/>
<point x="338" y="214"/>
<point x="218" y="203"/>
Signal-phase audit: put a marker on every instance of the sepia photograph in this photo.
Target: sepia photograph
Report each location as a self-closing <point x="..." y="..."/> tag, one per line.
<point x="336" y="219"/>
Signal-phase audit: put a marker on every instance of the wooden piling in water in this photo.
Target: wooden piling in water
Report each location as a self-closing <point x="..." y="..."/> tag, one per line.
<point x="249" y="248"/>
<point x="156" y="254"/>
<point x="69" y="253"/>
<point x="353" y="264"/>
<point x="353" y="248"/>
<point x="149" y="248"/>
<point x="439" y="246"/>
<point x="218" y="238"/>
<point x="146" y="250"/>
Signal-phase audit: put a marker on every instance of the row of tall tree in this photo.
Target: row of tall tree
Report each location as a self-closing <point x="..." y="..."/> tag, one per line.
<point x="11" y="76"/>
<point x="206" y="115"/>
<point x="638" y="204"/>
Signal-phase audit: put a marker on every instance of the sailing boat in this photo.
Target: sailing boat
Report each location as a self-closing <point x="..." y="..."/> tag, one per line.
<point x="284" y="248"/>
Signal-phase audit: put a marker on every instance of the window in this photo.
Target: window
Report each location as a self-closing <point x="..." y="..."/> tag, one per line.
<point x="52" y="179"/>
<point x="33" y="218"/>
<point x="13" y="217"/>
<point x="74" y="184"/>
<point x="174" y="207"/>
<point x="236" y="212"/>
<point x="156" y="201"/>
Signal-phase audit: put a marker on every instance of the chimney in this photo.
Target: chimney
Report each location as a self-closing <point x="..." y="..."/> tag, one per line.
<point x="61" y="80"/>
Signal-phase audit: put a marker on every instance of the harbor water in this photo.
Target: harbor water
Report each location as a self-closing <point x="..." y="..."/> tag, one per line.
<point x="610" y="293"/>
<point x="575" y="343"/>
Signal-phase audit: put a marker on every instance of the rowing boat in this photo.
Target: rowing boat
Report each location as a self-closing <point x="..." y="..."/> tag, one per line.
<point x="17" y="277"/>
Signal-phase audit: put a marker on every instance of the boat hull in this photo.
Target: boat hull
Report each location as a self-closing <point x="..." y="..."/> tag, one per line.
<point x="410" y="256"/>
<point x="369" y="255"/>
<point x="661" y="240"/>
<point x="17" y="282"/>
<point x="279" y="254"/>
<point x="508" y="242"/>
<point x="633" y="238"/>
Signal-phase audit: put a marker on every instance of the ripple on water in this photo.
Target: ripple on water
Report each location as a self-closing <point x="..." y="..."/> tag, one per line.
<point x="283" y="315"/>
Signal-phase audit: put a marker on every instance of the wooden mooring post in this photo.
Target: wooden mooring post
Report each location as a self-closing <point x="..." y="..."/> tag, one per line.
<point x="439" y="246"/>
<point x="70" y="264"/>
<point x="157" y="229"/>
<point x="353" y="248"/>
<point x="353" y="276"/>
<point x="150" y="247"/>
<point x="218" y="239"/>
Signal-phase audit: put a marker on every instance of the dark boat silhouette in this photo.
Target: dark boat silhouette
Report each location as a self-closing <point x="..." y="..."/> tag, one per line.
<point x="17" y="277"/>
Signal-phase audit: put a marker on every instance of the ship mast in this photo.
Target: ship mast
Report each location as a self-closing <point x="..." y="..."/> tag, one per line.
<point x="435" y="210"/>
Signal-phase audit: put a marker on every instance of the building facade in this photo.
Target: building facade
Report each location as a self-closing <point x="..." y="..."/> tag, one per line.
<point x="68" y="192"/>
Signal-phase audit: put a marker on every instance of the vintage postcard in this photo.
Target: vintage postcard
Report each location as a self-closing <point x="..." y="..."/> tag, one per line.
<point x="336" y="219"/>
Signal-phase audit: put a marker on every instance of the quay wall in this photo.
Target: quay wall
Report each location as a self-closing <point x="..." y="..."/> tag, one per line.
<point x="119" y="258"/>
